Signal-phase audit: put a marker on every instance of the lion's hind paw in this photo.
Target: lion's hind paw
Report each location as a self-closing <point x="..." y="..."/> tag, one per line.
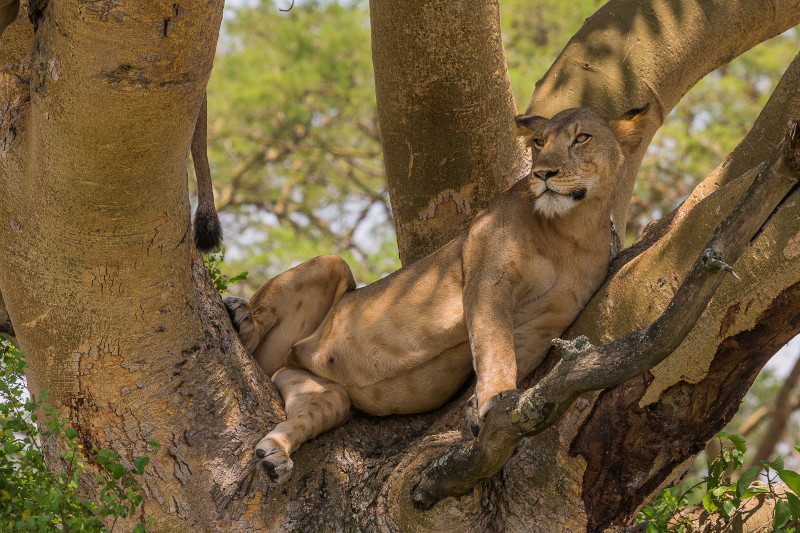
<point x="275" y="460"/>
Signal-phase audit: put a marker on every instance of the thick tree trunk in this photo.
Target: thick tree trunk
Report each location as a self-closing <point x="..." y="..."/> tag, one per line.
<point x="443" y="91"/>
<point x="120" y="322"/>
<point x="97" y="266"/>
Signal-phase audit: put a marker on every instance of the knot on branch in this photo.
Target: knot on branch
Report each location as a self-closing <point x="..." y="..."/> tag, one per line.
<point x="569" y="350"/>
<point x="533" y="409"/>
<point x="793" y="144"/>
<point x="714" y="260"/>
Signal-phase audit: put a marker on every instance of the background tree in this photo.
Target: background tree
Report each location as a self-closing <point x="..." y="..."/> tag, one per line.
<point x="121" y="323"/>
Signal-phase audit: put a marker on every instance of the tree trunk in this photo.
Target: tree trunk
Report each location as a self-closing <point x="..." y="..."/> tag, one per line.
<point x="443" y="89"/>
<point x="120" y="322"/>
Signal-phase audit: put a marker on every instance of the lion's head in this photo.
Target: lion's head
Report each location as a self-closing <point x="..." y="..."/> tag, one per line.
<point x="577" y="154"/>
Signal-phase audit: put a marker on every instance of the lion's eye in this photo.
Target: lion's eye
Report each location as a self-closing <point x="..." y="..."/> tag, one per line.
<point x="538" y="143"/>
<point x="582" y="138"/>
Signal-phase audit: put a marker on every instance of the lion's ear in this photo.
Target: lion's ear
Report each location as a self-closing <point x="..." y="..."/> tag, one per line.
<point x="630" y="126"/>
<point x="527" y="125"/>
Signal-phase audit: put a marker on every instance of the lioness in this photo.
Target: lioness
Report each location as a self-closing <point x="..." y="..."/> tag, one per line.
<point x="502" y="291"/>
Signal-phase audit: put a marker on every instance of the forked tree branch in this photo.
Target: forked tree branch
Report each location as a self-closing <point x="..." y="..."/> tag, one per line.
<point x="585" y="368"/>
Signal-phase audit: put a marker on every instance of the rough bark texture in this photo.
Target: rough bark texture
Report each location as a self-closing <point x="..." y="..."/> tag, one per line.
<point x="119" y="320"/>
<point x="443" y="90"/>
<point x="97" y="268"/>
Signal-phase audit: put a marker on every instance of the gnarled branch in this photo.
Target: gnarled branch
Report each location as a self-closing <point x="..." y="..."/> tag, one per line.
<point x="585" y="368"/>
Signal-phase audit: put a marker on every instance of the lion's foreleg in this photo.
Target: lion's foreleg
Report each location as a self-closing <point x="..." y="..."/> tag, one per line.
<point x="488" y="310"/>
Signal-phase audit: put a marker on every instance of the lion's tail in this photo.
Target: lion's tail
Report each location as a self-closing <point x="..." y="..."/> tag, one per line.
<point x="207" y="229"/>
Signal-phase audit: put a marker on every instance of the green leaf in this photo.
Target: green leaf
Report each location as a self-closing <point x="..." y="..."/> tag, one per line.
<point x="139" y="529"/>
<point x="709" y="505"/>
<point x="653" y="527"/>
<point x="792" y="480"/>
<point x="116" y="470"/>
<point x="719" y="491"/>
<point x="728" y="507"/>
<point x="782" y="514"/>
<point x="753" y="491"/>
<point x="794" y="505"/>
<point x="70" y="433"/>
<point x="746" y="480"/>
<point x="239" y="277"/>
<point x="775" y="464"/>
<point x="139" y="464"/>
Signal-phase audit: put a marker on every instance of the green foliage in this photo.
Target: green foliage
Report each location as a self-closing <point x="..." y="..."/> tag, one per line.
<point x="35" y="499"/>
<point x="718" y="493"/>
<point x="212" y="262"/>
<point x="293" y="140"/>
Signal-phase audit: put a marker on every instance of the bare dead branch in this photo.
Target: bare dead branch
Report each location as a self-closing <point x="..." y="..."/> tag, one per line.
<point x="584" y="367"/>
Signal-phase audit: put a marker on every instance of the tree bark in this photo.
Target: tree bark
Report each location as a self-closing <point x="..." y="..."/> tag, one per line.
<point x="120" y="322"/>
<point x="111" y="305"/>
<point x="442" y="91"/>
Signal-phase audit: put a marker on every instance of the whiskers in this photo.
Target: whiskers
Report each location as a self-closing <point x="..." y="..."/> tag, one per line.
<point x="556" y="198"/>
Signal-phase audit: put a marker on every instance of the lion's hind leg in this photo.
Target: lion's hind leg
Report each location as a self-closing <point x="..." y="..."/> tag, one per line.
<point x="289" y="308"/>
<point x="313" y="405"/>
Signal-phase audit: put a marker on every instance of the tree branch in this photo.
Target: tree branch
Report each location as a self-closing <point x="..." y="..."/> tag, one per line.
<point x="584" y="367"/>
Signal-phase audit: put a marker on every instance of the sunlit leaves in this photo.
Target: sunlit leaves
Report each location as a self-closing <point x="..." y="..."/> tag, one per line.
<point x="668" y="513"/>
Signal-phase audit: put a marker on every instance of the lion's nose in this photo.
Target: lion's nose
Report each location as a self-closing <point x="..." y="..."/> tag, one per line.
<point x="545" y="174"/>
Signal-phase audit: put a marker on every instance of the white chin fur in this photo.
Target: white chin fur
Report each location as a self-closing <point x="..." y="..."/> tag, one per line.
<point x="553" y="205"/>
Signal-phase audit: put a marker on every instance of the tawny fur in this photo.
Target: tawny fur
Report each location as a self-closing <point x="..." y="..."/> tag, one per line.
<point x="490" y="300"/>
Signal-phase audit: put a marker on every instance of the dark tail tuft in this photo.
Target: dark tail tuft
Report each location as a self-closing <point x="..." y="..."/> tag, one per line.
<point x="207" y="230"/>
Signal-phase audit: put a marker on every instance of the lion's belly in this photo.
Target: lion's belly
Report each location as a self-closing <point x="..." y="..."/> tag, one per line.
<point x="422" y="388"/>
<point x="394" y="332"/>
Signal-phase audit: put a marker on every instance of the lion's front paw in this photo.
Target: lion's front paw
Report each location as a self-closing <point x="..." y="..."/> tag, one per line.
<point x="474" y="422"/>
<point x="275" y="460"/>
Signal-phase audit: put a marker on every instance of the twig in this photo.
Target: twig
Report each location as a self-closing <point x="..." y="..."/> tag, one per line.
<point x="584" y="367"/>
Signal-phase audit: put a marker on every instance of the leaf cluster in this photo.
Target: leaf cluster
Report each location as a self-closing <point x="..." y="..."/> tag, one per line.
<point x="34" y="498"/>
<point x="222" y="282"/>
<point x="718" y="493"/>
<point x="294" y="144"/>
